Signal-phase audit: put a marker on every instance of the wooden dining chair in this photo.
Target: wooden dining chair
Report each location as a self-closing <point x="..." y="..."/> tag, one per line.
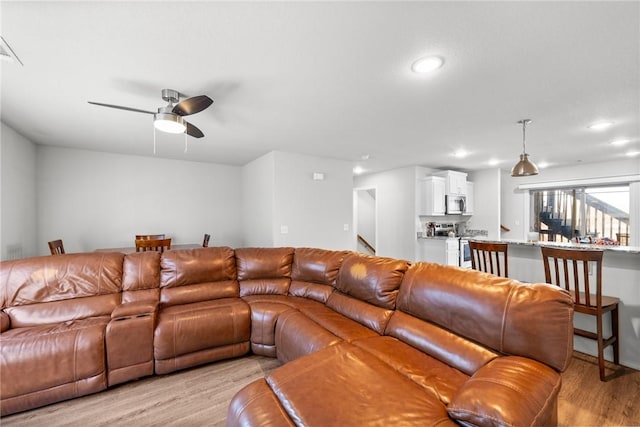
<point x="205" y="241"/>
<point x="575" y="270"/>
<point x="56" y="247"/>
<point x="489" y="257"/>
<point x="149" y="236"/>
<point x="158" y="245"/>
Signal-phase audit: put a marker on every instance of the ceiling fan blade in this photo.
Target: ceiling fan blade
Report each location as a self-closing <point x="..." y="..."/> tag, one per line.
<point x="192" y="105"/>
<point x="119" y="107"/>
<point x="193" y="131"/>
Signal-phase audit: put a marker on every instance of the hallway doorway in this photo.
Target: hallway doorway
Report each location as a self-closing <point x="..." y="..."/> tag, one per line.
<point x="365" y="220"/>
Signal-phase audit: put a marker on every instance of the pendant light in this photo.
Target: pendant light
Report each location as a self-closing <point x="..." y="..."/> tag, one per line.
<point x="524" y="167"/>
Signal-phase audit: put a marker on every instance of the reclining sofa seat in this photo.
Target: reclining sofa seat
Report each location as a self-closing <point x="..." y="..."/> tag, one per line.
<point x="453" y="352"/>
<point x="201" y="317"/>
<point x="56" y="311"/>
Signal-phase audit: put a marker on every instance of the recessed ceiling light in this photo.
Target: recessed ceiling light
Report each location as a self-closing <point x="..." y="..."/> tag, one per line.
<point x="427" y="64"/>
<point x="493" y="162"/>
<point x="632" y="153"/>
<point x="619" y="142"/>
<point x="543" y="165"/>
<point x="358" y="170"/>
<point x="600" y="125"/>
<point x="461" y="153"/>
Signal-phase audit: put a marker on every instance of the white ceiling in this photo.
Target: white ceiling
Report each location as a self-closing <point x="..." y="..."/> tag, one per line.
<point x="330" y="79"/>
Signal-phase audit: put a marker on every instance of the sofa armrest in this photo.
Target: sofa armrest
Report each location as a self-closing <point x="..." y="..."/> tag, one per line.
<point x="5" y="322"/>
<point x="129" y="341"/>
<point x="135" y="308"/>
<point x="509" y="390"/>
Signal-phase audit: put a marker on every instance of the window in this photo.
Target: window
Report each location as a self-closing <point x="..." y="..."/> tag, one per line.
<point x="587" y="214"/>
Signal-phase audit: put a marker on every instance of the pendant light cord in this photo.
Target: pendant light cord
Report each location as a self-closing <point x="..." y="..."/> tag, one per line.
<point x="524" y="145"/>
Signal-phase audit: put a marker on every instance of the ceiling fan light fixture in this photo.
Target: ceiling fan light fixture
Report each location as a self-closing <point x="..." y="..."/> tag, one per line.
<point x="169" y="122"/>
<point x="524" y="167"/>
<point x="427" y="64"/>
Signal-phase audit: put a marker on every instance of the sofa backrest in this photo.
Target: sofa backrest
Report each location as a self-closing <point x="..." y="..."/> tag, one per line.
<point x="194" y="275"/>
<point x="264" y="270"/>
<point x="141" y="276"/>
<point x="481" y="310"/>
<point x="314" y="272"/>
<point x="53" y="289"/>
<point x="366" y="289"/>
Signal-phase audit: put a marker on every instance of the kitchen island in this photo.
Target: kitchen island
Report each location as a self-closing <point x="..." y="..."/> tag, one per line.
<point x="620" y="278"/>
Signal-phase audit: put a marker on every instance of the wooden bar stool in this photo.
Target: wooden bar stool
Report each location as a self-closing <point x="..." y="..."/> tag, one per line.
<point x="205" y="240"/>
<point x="489" y="257"/>
<point x="569" y="268"/>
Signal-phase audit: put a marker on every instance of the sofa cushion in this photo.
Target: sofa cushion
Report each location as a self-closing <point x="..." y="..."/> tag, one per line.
<point x="46" y="356"/>
<point x="141" y="276"/>
<point x="189" y="328"/>
<point x="297" y="335"/>
<point x="374" y="280"/>
<point x="264" y="270"/>
<point x="56" y="278"/>
<point x="509" y="391"/>
<point x="201" y="265"/>
<point x="62" y="311"/>
<point x="314" y="272"/>
<point x="338" y="324"/>
<point x="343" y="385"/>
<point x="193" y="275"/>
<point x="371" y="316"/>
<point x="141" y="270"/>
<point x="450" y="348"/>
<point x="263" y="263"/>
<point x="532" y="320"/>
<point x="436" y="377"/>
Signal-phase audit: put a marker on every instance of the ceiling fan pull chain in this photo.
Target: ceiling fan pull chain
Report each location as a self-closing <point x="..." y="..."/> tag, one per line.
<point x="185" y="142"/>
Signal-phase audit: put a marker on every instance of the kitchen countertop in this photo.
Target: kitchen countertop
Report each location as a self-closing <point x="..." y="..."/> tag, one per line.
<point x="611" y="248"/>
<point x="608" y="248"/>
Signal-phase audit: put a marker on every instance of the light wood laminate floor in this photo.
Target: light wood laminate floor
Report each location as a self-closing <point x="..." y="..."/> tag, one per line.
<point x="200" y="397"/>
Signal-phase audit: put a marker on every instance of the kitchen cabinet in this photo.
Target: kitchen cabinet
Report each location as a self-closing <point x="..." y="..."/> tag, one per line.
<point x="433" y="191"/>
<point x="456" y="182"/>
<point x="440" y="250"/>
<point x="470" y="199"/>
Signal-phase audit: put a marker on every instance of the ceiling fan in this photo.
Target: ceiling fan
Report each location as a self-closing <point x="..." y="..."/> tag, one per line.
<point x="169" y="118"/>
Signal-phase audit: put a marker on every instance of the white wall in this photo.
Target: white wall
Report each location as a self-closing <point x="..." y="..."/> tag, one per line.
<point x="315" y="212"/>
<point x="515" y="203"/>
<point x="18" y="234"/>
<point x="397" y="211"/>
<point x="486" y="211"/>
<point x="97" y="200"/>
<point x="258" y="199"/>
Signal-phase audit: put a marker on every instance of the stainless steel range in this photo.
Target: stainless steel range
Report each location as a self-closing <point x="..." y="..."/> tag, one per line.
<point x="443" y="228"/>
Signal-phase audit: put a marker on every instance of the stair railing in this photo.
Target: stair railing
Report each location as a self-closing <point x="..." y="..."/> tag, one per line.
<point x="366" y="244"/>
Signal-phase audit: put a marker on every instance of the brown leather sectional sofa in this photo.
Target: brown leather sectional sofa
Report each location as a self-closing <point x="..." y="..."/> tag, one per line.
<point x="363" y="340"/>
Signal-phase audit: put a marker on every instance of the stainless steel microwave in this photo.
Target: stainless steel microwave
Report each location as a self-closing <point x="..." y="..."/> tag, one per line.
<point x="456" y="204"/>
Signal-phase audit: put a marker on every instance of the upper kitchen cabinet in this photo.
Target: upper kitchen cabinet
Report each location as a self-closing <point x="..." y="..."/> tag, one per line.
<point x="433" y="190"/>
<point x="456" y="182"/>
<point x="469" y="199"/>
